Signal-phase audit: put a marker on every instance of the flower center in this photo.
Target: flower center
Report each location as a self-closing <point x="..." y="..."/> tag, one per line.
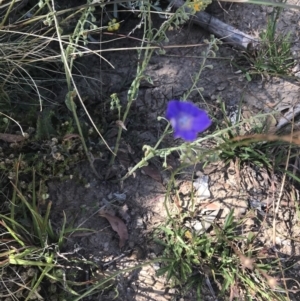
<point x="185" y="121"/>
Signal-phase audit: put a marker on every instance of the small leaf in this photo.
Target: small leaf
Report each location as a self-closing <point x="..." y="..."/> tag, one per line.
<point x="248" y="77"/>
<point x="70" y="136"/>
<point x="118" y="225"/>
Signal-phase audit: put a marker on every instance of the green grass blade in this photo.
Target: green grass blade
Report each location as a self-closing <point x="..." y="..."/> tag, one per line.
<point x="13" y="233"/>
<point x="38" y="282"/>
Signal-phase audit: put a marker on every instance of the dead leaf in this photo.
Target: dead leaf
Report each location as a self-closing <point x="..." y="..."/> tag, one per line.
<point x="209" y="207"/>
<point x="118" y="225"/>
<point x="152" y="172"/>
<point x="70" y="136"/>
<point x="289" y="116"/>
<point x="120" y="124"/>
<point x="11" y="138"/>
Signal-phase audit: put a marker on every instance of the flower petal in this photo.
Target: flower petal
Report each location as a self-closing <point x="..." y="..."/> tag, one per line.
<point x="186" y="135"/>
<point x="174" y="108"/>
<point x="201" y="122"/>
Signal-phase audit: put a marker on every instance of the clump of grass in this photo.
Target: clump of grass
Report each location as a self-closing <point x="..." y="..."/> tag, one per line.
<point x="228" y="263"/>
<point x="31" y="248"/>
<point x="273" y="56"/>
<point x="256" y="154"/>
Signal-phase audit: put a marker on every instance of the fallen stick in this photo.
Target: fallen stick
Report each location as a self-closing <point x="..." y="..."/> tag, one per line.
<point x="220" y="29"/>
<point x="288" y="117"/>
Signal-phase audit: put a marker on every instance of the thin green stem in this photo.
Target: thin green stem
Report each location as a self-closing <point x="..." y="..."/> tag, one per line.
<point x="145" y="56"/>
<point x="70" y="93"/>
<point x="208" y="54"/>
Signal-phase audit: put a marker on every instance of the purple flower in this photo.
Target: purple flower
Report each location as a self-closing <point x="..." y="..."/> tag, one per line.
<point x="186" y="119"/>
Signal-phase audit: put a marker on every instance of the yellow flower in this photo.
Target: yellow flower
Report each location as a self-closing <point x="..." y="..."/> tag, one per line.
<point x="197" y="6"/>
<point x="116" y="26"/>
<point x="188" y="235"/>
<point x="113" y="25"/>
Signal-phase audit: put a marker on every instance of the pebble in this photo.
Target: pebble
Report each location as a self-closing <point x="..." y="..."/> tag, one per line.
<point x="156" y="266"/>
<point x="152" y="255"/>
<point x="140" y="223"/>
<point x="221" y="87"/>
<point x="106" y="246"/>
<point x="201" y="185"/>
<point x="120" y="196"/>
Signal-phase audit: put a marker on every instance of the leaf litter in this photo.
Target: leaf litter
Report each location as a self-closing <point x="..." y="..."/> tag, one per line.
<point x="117" y="224"/>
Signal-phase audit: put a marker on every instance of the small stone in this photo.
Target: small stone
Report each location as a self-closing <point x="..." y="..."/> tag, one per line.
<point x="152" y="255"/>
<point x="106" y="246"/>
<point x="134" y="287"/>
<point x="221" y="87"/>
<point x="120" y="196"/>
<point x="139" y="223"/>
<point x="286" y="242"/>
<point x="156" y="266"/>
<point x="197" y="226"/>
<point x="278" y="241"/>
<point x="201" y="186"/>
